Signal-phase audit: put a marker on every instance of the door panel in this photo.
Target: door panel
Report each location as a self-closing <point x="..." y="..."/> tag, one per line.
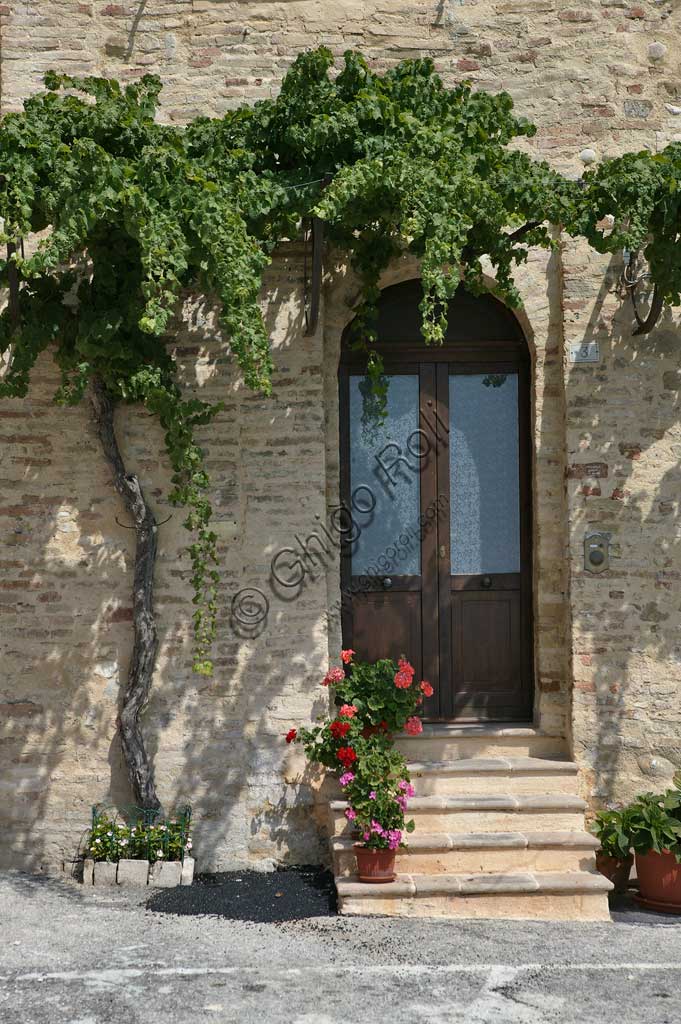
<point x="388" y="625"/>
<point x="486" y="654"/>
<point x="437" y="563"/>
<point x="483" y="466"/>
<point x="385" y="478"/>
<point x="389" y="562"/>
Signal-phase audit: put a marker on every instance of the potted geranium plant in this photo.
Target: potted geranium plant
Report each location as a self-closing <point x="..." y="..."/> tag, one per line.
<point x="384" y="693"/>
<point x="614" y="859"/>
<point x="373" y="701"/>
<point x="654" y="828"/>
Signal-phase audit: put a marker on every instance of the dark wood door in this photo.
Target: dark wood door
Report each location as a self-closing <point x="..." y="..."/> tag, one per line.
<point x="389" y="496"/>
<point x="436" y="563"/>
<point x="485" y="601"/>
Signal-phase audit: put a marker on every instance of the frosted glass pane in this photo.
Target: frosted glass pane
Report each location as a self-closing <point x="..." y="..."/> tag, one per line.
<point x="384" y="481"/>
<point x="483" y="454"/>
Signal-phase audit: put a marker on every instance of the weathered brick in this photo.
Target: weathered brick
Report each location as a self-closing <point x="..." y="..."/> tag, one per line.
<point x="596" y="470"/>
<point x="576" y="14"/>
<point x="465" y="64"/>
<point x="20" y="709"/>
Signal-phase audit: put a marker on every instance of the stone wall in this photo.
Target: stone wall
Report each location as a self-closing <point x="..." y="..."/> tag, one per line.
<point x="603" y="75"/>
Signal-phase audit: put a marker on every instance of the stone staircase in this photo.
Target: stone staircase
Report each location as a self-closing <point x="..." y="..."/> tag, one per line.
<point x="499" y="833"/>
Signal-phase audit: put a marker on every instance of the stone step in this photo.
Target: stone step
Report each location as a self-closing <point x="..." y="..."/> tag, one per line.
<point x="481" y="852"/>
<point x="484" y="775"/>
<point x="549" y="812"/>
<point x="447" y="742"/>
<point x="552" y="896"/>
<point x="489" y="775"/>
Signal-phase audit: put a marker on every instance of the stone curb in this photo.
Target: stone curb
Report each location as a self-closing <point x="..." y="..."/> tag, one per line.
<point x="162" y="874"/>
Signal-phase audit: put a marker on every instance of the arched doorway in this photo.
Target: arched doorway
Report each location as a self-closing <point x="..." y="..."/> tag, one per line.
<point x="437" y="557"/>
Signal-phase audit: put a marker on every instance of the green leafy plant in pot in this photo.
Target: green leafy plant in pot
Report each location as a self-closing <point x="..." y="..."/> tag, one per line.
<point x="654" y="828"/>
<point x="614" y="859"/>
<point x="357" y="743"/>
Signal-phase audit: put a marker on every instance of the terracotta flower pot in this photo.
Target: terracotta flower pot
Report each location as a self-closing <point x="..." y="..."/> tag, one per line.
<point x="659" y="875"/>
<point x="375" y="865"/>
<point x="617" y="869"/>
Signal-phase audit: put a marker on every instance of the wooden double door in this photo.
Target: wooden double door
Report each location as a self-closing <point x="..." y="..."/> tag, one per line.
<point x="436" y="560"/>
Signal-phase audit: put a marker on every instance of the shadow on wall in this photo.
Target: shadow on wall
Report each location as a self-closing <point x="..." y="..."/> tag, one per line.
<point x="65" y="625"/>
<point x="65" y="592"/>
<point x="624" y="436"/>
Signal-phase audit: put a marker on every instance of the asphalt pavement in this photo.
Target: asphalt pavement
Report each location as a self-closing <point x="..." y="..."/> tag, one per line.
<point x="253" y="949"/>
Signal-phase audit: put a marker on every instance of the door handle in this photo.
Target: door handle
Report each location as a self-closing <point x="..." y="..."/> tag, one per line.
<point x="487" y="582"/>
<point x="387" y="583"/>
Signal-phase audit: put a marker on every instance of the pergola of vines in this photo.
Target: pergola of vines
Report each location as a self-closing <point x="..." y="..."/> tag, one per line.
<point x="134" y="212"/>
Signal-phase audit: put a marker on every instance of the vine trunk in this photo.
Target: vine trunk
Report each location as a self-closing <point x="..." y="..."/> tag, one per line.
<point x="145" y="646"/>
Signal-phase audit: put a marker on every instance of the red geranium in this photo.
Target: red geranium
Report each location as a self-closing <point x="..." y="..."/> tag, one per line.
<point x="404" y="674"/>
<point x="426" y="688"/>
<point x="346" y="656"/>
<point x="291" y="735"/>
<point x="346" y="756"/>
<point x="339" y="729"/>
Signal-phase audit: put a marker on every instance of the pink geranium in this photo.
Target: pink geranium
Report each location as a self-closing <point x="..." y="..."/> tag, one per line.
<point x="394" y="838"/>
<point x="347" y="711"/>
<point x="346" y="656"/>
<point x="413" y="726"/>
<point x="408" y="789"/>
<point x="334" y="675"/>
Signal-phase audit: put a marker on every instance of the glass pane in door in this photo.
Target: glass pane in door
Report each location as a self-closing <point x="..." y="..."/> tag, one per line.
<point x="484" y="481"/>
<point x="384" y="480"/>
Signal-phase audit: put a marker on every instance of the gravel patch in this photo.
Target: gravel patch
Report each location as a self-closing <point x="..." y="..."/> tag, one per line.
<point x="265" y="897"/>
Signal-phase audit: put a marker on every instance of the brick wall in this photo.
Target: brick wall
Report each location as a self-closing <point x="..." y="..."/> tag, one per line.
<point x="600" y="75"/>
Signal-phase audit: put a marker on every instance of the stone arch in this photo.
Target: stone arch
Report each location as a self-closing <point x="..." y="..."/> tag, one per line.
<point x="539" y="319"/>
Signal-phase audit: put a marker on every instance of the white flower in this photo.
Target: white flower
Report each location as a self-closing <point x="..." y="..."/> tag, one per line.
<point x="124" y="842"/>
<point x="163" y="828"/>
<point x="109" y="833"/>
<point x="159" y="853"/>
<point x="189" y="845"/>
